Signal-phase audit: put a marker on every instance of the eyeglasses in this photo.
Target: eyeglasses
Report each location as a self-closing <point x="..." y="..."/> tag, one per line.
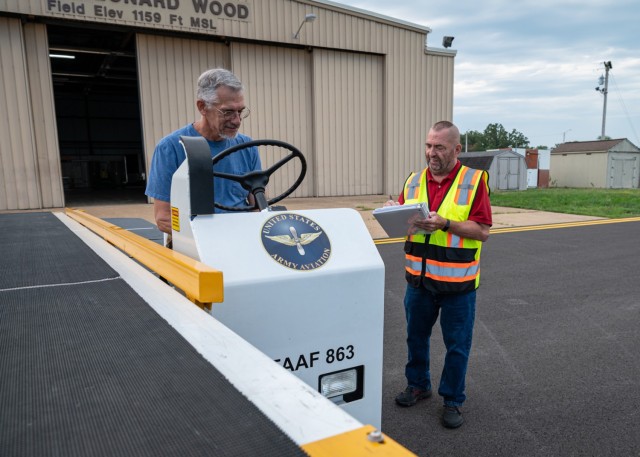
<point x="229" y="114"/>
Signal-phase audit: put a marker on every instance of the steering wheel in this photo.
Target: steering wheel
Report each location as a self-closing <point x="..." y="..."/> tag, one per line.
<point x="256" y="181"/>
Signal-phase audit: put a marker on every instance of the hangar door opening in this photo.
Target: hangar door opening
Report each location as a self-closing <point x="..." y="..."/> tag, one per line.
<point x="97" y="106"/>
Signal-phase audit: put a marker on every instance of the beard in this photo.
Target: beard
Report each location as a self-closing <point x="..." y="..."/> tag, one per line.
<point x="437" y="167"/>
<point x="226" y="136"/>
<point x="229" y="136"/>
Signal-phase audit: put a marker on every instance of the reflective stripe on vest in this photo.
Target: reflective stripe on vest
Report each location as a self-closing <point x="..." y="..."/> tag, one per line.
<point x="413" y="187"/>
<point x="453" y="259"/>
<point x="443" y="271"/>
<point x="468" y="181"/>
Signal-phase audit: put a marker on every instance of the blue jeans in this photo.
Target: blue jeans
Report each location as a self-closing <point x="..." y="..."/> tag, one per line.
<point x="457" y="314"/>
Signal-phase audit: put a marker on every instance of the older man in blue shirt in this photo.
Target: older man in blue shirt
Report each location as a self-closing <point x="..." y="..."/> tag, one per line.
<point x="220" y="101"/>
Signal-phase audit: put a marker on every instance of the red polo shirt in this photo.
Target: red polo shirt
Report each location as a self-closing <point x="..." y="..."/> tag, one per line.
<point x="480" y="208"/>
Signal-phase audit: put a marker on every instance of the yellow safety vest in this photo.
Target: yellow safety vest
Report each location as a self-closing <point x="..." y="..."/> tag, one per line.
<point x="443" y="262"/>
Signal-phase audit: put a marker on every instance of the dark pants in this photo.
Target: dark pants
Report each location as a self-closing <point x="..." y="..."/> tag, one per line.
<point x="457" y="315"/>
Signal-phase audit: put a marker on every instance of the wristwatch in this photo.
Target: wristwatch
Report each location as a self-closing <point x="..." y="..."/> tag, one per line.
<point x="446" y="226"/>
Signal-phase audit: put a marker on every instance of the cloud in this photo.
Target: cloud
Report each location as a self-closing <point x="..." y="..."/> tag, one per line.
<point x="536" y="63"/>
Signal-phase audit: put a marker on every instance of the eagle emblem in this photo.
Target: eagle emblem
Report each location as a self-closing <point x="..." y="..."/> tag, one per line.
<point x="295" y="240"/>
<point x="281" y="232"/>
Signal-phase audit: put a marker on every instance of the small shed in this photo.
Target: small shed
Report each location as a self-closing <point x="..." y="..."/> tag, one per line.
<point x="507" y="169"/>
<point x="606" y="164"/>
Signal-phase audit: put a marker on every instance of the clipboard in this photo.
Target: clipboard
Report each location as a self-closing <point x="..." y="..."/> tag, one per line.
<point x="397" y="220"/>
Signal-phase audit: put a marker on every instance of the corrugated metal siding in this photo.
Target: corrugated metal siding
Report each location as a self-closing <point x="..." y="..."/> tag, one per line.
<point x="21" y="6"/>
<point x="44" y="115"/>
<point x="418" y="94"/>
<point x="440" y="87"/>
<point x="168" y="70"/>
<point x="349" y="113"/>
<point x="278" y="20"/>
<point x="415" y="87"/>
<point x="19" y="186"/>
<point x="278" y="91"/>
<point x="270" y="20"/>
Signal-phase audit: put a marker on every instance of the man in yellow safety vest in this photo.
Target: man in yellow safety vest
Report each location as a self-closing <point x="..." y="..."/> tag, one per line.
<point x="442" y="267"/>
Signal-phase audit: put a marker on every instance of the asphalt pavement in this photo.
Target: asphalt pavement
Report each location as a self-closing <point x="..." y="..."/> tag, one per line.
<point x="554" y="368"/>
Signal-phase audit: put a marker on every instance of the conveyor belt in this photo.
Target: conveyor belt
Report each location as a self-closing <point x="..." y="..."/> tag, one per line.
<point x="88" y="368"/>
<point x="140" y="227"/>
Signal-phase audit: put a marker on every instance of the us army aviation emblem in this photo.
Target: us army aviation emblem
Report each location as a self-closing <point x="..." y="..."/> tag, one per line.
<point x="296" y="242"/>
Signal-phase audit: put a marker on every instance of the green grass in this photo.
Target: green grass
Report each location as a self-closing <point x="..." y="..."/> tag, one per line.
<point x="611" y="203"/>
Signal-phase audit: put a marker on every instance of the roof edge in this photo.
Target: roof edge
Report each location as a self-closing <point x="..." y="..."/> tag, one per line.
<point x="440" y="51"/>
<point x="366" y="13"/>
<point x="591" y="146"/>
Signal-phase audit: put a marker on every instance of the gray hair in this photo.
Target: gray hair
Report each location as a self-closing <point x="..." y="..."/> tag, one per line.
<point x="211" y="80"/>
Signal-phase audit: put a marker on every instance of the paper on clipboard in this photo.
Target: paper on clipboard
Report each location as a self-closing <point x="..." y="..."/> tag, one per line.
<point x="397" y="220"/>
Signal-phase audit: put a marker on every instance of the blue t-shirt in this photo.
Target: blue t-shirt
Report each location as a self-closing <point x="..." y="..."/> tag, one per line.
<point x="169" y="154"/>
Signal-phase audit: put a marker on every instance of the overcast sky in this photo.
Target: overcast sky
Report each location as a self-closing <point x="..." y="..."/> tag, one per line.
<point x="533" y="65"/>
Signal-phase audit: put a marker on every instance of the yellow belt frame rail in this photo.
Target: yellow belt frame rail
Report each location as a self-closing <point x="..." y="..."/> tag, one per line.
<point x="201" y="284"/>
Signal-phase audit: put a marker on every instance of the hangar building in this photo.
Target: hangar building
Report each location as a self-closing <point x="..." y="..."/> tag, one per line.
<point x="88" y="87"/>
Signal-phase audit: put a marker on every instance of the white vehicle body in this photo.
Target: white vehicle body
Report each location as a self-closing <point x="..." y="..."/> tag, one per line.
<point x="304" y="287"/>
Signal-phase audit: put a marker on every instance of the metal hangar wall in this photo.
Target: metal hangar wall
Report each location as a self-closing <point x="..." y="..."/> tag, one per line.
<point x="353" y="90"/>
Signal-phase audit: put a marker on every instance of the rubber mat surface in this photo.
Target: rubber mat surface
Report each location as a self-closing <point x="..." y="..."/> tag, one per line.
<point x="37" y="250"/>
<point x="87" y="368"/>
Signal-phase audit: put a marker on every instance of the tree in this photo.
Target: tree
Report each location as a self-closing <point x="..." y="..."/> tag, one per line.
<point x="495" y="137"/>
<point x="518" y="140"/>
<point x="473" y="140"/>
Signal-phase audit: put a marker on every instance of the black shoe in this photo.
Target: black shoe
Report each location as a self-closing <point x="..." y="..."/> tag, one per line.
<point x="411" y="395"/>
<point x="452" y="417"/>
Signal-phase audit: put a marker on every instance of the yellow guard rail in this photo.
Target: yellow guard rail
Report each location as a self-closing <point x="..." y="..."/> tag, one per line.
<point x="201" y="284"/>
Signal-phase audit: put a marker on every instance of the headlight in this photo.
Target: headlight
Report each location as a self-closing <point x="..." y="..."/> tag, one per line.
<point x="340" y="383"/>
<point x="343" y="386"/>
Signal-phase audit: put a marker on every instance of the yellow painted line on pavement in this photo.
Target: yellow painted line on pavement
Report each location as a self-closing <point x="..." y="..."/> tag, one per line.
<point x="200" y="283"/>
<point x="563" y="225"/>
<point x="388" y="240"/>
<point x="529" y="228"/>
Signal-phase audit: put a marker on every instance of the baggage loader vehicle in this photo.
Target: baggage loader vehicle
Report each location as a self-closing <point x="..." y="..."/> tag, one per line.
<point x="304" y="287"/>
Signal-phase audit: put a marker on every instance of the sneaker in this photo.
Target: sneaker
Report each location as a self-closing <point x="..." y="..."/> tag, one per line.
<point x="452" y="417"/>
<point x="411" y="395"/>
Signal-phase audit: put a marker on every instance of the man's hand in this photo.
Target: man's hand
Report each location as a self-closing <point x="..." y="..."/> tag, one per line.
<point x="466" y="229"/>
<point x="391" y="202"/>
<point x="162" y="214"/>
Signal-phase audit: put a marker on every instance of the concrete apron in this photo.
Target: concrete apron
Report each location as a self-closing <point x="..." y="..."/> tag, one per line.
<point x="502" y="217"/>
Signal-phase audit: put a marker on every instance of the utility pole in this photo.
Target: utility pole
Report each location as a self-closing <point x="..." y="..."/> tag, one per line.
<point x="604" y="91"/>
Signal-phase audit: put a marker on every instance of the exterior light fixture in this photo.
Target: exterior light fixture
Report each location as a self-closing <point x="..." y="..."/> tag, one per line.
<point x="61" y="56"/>
<point x="343" y="386"/>
<point x="308" y="18"/>
<point x="446" y="41"/>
